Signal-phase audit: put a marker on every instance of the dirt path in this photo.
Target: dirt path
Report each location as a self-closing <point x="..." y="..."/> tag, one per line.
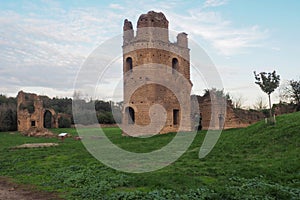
<point x="12" y="191"/>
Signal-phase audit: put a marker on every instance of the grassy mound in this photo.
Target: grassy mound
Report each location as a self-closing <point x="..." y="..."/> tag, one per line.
<point x="258" y="162"/>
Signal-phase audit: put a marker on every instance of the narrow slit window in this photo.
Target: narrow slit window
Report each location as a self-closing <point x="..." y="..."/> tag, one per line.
<point x="175" y="117"/>
<point x="128" y="64"/>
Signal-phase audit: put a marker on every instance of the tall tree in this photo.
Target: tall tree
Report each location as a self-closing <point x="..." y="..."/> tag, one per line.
<point x="268" y="82"/>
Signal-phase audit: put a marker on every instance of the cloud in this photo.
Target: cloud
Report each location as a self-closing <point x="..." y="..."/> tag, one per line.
<point x="221" y="34"/>
<point x="42" y="51"/>
<point x="116" y="6"/>
<point x="46" y="45"/>
<point x="276" y="48"/>
<point x="214" y="3"/>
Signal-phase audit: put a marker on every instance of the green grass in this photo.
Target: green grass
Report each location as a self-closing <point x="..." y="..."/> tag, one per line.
<point x="258" y="162"/>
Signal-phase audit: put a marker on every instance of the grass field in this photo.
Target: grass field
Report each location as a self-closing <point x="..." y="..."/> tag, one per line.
<point x="258" y="162"/>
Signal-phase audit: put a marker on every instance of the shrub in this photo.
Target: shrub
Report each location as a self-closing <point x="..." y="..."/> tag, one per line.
<point x="64" y="122"/>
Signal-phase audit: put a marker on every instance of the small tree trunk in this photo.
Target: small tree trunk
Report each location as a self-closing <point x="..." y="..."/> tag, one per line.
<point x="271" y="119"/>
<point x="270" y="105"/>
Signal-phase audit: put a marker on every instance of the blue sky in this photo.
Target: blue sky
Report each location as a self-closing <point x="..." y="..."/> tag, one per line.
<point x="44" y="43"/>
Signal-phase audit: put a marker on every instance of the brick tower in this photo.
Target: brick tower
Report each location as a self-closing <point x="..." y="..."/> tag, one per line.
<point x="151" y="45"/>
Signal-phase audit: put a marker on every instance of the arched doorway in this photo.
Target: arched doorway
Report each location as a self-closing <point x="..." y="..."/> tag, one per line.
<point x="130" y="115"/>
<point x="47" y="119"/>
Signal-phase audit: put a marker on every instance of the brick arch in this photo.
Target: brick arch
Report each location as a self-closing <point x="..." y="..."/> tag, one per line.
<point x="49" y="118"/>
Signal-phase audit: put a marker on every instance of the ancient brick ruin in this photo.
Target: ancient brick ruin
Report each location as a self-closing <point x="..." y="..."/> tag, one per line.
<point x="151" y="45"/>
<point x="285" y="108"/>
<point x="33" y="118"/>
<point x="224" y="118"/>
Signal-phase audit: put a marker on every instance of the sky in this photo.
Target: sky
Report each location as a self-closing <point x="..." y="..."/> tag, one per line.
<point x="43" y="43"/>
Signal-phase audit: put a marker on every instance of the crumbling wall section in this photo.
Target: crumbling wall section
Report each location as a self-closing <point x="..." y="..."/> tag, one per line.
<point x="234" y="118"/>
<point x="31" y="113"/>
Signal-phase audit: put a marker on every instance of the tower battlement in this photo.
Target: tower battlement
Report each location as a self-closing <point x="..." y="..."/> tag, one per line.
<point x="153" y="19"/>
<point x="152" y="26"/>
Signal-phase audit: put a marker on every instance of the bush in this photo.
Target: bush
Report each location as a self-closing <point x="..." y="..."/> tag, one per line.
<point x="29" y="106"/>
<point x="105" y="118"/>
<point x="64" y="122"/>
<point x="8" y="119"/>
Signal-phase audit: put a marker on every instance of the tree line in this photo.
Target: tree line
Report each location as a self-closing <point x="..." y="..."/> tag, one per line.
<point x="104" y="110"/>
<point x="8" y="113"/>
<point x="109" y="112"/>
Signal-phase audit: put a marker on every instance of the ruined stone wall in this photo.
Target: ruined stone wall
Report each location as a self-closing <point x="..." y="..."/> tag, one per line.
<point x="234" y="118"/>
<point x="285" y="108"/>
<point x="238" y="118"/>
<point x="30" y="112"/>
<point x="213" y="111"/>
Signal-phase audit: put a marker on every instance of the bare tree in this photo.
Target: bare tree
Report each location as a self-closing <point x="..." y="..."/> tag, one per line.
<point x="238" y="101"/>
<point x="260" y="104"/>
<point x="282" y="92"/>
<point x="290" y="91"/>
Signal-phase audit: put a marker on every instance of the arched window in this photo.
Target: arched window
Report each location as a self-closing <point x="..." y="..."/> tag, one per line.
<point x="130" y="115"/>
<point x="174" y="65"/>
<point x="128" y="64"/>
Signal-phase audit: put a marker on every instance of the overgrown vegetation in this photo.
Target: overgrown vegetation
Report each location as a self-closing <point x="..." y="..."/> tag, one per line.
<point x="103" y="109"/>
<point x="60" y="105"/>
<point x="64" y="122"/>
<point x="258" y="162"/>
<point x="8" y="113"/>
<point x="106" y="112"/>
